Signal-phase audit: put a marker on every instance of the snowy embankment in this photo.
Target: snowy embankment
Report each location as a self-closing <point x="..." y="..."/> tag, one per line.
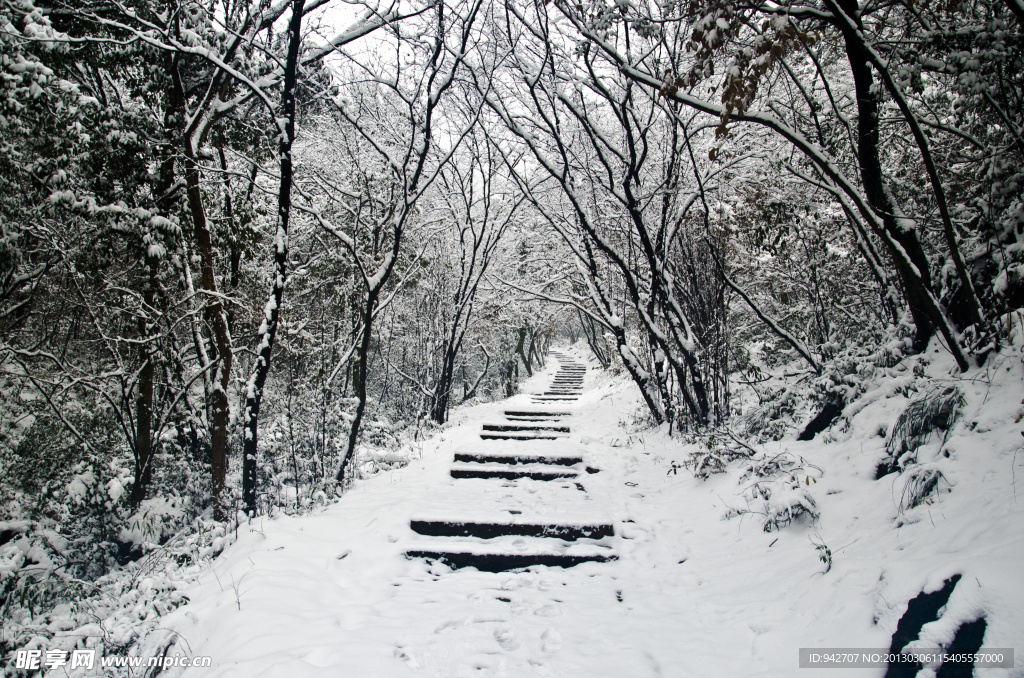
<point x="699" y="587"/>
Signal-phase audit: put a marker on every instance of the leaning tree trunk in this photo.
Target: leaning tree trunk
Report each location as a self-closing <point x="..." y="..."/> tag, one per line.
<point x="219" y="407"/>
<point x="916" y="283"/>
<point x="272" y="312"/>
<point x="359" y="383"/>
<point x="220" y="410"/>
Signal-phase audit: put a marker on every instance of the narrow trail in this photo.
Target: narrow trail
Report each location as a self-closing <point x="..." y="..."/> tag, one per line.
<point x="524" y="525"/>
<point x="499" y="552"/>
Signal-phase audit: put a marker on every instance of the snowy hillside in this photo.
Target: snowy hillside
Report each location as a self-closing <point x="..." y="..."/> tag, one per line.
<point x="700" y="586"/>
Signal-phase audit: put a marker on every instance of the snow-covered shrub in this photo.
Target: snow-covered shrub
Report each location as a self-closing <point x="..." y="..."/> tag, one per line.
<point x="97" y="508"/>
<point x="781" y="508"/>
<point x="78" y="568"/>
<point x="713" y="452"/>
<point x="936" y="410"/>
<point x="637" y="420"/>
<point x="43" y="607"/>
<point x="379" y="433"/>
<point x="922" y="482"/>
<point x="779" y="493"/>
<point x="76" y="489"/>
<point x="772" y="419"/>
<point x="783" y="464"/>
<point x="155" y="521"/>
<point x="373" y="461"/>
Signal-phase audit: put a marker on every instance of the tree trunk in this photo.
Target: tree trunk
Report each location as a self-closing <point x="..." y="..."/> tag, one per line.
<point x="219" y="408"/>
<point x="915" y="284"/>
<point x="534" y="352"/>
<point x="509" y="367"/>
<point x="594" y="340"/>
<point x="143" y="424"/>
<point x="272" y="312"/>
<point x="640" y="376"/>
<point x="144" y="402"/>
<point x="359" y="383"/>
<point x="519" y="350"/>
<point x="443" y="388"/>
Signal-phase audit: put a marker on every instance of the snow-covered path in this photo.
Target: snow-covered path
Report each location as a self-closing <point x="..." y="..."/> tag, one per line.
<point x="690" y="594"/>
<point x="306" y="596"/>
<point x="523" y="501"/>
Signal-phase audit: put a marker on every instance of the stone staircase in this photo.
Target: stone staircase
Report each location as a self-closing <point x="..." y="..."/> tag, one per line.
<point x="543" y="514"/>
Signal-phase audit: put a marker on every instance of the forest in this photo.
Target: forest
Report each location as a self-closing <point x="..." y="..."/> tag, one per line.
<point x="252" y="249"/>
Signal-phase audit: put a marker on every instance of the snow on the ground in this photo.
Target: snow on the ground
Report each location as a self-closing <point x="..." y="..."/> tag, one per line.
<point x="694" y="592"/>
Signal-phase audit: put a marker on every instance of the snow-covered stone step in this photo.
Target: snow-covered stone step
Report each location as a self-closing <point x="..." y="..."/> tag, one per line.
<point x="521" y="435"/>
<point x="540" y="419"/>
<point x="510" y="525"/>
<point x="552" y="459"/>
<point x="522" y="552"/>
<point x="535" y="413"/>
<point x="545" y="398"/>
<point x="562" y="445"/>
<point x="558" y="500"/>
<point x="526" y="427"/>
<point x="509" y="472"/>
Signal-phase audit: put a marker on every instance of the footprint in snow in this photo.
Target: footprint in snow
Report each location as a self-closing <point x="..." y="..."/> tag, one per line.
<point x="551" y="640"/>
<point x="633" y="532"/>
<point x="539" y="667"/>
<point x="448" y="626"/>
<point x="506" y="639"/>
<point x="549" y="610"/>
